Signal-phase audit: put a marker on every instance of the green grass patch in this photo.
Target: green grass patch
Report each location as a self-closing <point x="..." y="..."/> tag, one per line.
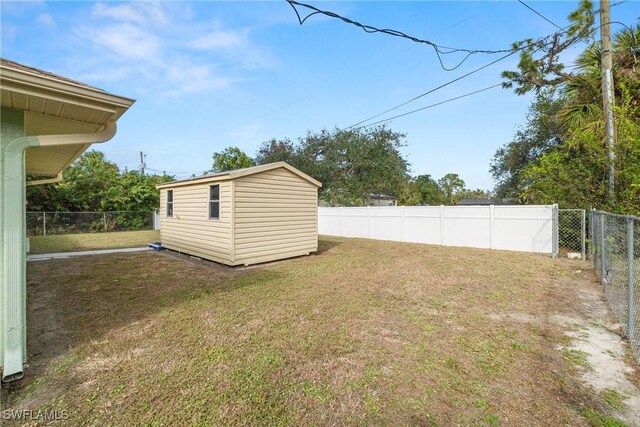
<point x="92" y="241"/>
<point x="576" y="357"/>
<point x="597" y="419"/>
<point x="614" y="399"/>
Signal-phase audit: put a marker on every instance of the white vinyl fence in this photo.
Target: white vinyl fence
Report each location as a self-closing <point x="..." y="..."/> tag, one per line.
<point x="514" y="228"/>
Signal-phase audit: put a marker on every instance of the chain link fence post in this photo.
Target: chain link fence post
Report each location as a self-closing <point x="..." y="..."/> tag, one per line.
<point x="630" y="281"/>
<point x="591" y="234"/>
<point x="603" y="263"/>
<point x="583" y="234"/>
<point x="555" y="231"/>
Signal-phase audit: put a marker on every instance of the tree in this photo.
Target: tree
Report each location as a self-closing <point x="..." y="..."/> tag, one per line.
<point x="451" y="184"/>
<point x="560" y="156"/>
<point x="93" y="183"/>
<point x="429" y="191"/>
<point x="275" y="151"/>
<point x="86" y="185"/>
<point x="352" y="164"/>
<point x="574" y="174"/>
<point x="472" y="194"/>
<point x="229" y="159"/>
<point x="541" y="133"/>
<point x="539" y="66"/>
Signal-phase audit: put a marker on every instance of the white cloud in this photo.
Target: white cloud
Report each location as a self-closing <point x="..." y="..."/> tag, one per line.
<point x="129" y="43"/>
<point x="221" y="40"/>
<point x="188" y="78"/>
<point x="46" y="20"/>
<point x="236" y="45"/>
<point x="123" y="40"/>
<point x="138" y="12"/>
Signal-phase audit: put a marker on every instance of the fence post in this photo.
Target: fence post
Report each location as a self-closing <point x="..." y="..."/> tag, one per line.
<point x="44" y="223"/>
<point x="583" y="232"/>
<point x="492" y="227"/>
<point x="104" y="218"/>
<point x="555" y="231"/>
<point x="403" y="221"/>
<point x="592" y="251"/>
<point x="442" y="237"/>
<point x="630" y="282"/>
<point x="603" y="268"/>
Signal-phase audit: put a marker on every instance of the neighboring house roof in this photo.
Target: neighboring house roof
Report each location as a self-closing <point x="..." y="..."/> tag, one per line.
<point x="237" y="173"/>
<point x="56" y="105"/>
<point x="474" y="202"/>
<point x="379" y="196"/>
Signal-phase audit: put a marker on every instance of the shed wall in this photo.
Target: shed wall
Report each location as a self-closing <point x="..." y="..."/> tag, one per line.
<point x="190" y="230"/>
<point x="276" y="216"/>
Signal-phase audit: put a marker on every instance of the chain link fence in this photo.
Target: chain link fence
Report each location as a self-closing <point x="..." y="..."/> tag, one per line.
<point x="571" y="229"/>
<point x="48" y="223"/>
<point x="615" y="253"/>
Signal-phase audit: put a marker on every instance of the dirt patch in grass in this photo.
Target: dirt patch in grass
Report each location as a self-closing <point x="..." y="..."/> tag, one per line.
<point x="365" y="332"/>
<point x="92" y="241"/>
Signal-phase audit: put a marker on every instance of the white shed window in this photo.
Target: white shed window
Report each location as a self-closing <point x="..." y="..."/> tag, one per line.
<point x="169" y="203"/>
<point x="214" y="202"/>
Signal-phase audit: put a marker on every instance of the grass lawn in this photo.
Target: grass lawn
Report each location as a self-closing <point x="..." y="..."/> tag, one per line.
<point x="92" y="241"/>
<point x="363" y="333"/>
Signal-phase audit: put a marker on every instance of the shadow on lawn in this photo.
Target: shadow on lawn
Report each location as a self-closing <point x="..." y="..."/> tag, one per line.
<point x="325" y="244"/>
<point x="74" y="301"/>
<point x="71" y="302"/>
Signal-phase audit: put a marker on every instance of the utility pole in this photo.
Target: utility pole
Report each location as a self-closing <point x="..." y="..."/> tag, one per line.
<point x="142" y="163"/>
<point x="607" y="91"/>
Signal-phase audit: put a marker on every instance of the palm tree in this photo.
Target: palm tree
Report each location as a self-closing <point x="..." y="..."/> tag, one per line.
<point x="583" y="89"/>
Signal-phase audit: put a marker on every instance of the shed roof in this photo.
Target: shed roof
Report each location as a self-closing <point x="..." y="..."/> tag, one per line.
<point x="237" y="173"/>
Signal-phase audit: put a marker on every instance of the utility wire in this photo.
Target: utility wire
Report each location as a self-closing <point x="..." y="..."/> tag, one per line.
<point x="439" y="50"/>
<point x="563" y="30"/>
<point x="539" y="14"/>
<point x="433" y="105"/>
<point x="275" y="110"/>
<point x="433" y="90"/>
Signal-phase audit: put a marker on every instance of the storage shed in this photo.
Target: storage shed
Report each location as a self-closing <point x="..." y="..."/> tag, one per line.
<point x="244" y="216"/>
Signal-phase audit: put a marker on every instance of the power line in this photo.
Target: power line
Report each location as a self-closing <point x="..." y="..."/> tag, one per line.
<point x="563" y="30"/>
<point x="433" y="90"/>
<point x="391" y="32"/>
<point x="539" y="14"/>
<point x="433" y="105"/>
<point x="275" y="110"/>
<point x="439" y="49"/>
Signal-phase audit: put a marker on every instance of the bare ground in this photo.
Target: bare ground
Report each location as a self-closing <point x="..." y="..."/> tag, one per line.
<point x="364" y="332"/>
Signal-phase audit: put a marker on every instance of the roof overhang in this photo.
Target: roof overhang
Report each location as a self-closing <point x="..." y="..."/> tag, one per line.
<point x="55" y="105"/>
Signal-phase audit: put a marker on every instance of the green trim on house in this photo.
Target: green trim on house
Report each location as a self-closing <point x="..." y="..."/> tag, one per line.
<point x="13" y="144"/>
<point x="58" y="139"/>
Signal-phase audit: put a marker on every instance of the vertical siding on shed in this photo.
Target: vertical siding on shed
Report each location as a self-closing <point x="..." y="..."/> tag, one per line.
<point x="190" y="230"/>
<point x="276" y="216"/>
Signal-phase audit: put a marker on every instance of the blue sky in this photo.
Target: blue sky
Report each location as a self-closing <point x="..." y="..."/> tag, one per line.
<point x="208" y="75"/>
